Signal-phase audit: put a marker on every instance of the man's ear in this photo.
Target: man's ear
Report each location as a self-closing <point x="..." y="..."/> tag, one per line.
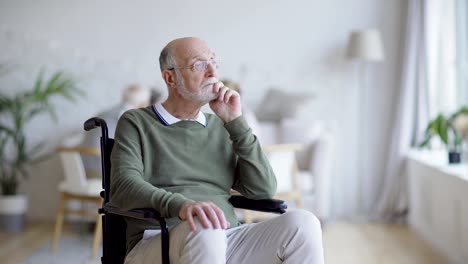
<point x="169" y="77"/>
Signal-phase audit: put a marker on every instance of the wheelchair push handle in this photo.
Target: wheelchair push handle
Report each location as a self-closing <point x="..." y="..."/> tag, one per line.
<point x="94" y="122"/>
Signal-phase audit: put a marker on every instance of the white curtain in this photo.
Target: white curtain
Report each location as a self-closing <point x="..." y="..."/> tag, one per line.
<point x="411" y="114"/>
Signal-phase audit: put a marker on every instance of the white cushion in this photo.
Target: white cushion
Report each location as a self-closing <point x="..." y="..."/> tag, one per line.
<point x="92" y="188"/>
<point x="281" y="162"/>
<point x="278" y="104"/>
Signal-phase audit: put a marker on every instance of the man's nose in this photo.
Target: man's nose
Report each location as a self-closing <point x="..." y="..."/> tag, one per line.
<point x="211" y="71"/>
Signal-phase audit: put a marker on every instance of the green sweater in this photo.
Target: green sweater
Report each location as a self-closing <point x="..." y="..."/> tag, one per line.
<point x="162" y="167"/>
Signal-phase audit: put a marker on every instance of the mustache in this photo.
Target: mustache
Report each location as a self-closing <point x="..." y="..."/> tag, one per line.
<point x="209" y="81"/>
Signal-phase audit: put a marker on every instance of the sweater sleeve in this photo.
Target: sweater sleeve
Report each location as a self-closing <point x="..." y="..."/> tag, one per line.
<point x="254" y="177"/>
<point x="129" y="189"/>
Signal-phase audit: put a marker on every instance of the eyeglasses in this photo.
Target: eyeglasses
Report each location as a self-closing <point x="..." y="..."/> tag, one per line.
<point x="200" y="66"/>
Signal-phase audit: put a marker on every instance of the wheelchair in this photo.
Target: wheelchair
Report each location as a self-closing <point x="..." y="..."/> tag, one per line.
<point x="113" y="218"/>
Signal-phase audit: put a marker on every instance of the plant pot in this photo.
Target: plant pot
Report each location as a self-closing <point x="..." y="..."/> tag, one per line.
<point x="454" y="157"/>
<point x="12" y="212"/>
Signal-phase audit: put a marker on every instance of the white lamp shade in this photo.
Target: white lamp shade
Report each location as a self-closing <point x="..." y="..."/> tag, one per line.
<point x="365" y="45"/>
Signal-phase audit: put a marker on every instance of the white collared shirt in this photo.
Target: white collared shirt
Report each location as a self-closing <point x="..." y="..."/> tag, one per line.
<point x="168" y="119"/>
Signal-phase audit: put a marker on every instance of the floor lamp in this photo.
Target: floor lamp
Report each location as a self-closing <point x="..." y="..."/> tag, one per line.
<point x="364" y="47"/>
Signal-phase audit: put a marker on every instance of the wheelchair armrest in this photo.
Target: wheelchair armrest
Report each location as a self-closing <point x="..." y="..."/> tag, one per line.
<point x="264" y="205"/>
<point x="143" y="213"/>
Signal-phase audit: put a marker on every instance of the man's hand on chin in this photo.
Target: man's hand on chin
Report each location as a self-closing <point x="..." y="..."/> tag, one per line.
<point x="227" y="105"/>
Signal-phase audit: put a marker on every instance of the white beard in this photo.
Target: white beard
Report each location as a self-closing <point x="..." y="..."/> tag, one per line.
<point x="204" y="96"/>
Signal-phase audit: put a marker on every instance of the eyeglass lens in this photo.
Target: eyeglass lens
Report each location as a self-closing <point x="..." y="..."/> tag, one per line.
<point x="203" y="65"/>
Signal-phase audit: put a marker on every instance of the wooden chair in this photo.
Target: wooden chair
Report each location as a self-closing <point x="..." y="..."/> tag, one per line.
<point x="76" y="187"/>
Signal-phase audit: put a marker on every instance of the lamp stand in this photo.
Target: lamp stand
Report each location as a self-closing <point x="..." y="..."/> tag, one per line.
<point x="362" y="136"/>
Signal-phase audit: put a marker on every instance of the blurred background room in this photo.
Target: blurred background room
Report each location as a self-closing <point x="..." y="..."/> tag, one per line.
<point x="361" y="106"/>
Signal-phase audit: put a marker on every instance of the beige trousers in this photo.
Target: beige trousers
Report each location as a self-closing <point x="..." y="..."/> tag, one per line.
<point x="294" y="237"/>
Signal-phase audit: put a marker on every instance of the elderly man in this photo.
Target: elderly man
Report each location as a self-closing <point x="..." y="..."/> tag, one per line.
<point x="182" y="162"/>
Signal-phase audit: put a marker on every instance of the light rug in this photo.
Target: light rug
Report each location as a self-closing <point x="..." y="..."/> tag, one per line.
<point x="72" y="249"/>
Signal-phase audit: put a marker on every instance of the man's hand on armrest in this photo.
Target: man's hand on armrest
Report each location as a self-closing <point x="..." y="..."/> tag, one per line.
<point x="209" y="215"/>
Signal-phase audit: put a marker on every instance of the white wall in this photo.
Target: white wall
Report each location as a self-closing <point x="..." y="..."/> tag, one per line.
<point x="296" y="45"/>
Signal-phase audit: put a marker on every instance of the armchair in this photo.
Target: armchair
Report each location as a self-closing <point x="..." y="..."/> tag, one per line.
<point x="315" y="160"/>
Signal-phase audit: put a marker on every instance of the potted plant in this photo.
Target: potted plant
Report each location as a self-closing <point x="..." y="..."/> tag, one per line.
<point x="449" y="129"/>
<point x="16" y="154"/>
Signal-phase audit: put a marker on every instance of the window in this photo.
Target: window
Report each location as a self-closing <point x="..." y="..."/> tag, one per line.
<point x="446" y="35"/>
<point x="462" y="50"/>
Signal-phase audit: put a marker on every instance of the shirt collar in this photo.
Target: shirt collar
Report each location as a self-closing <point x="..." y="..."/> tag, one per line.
<point x="168" y="119"/>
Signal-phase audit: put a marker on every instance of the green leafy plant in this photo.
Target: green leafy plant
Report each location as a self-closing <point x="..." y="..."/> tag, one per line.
<point x="443" y="127"/>
<point x="16" y="112"/>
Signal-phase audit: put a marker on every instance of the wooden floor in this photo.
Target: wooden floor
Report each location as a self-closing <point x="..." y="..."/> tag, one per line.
<point x="344" y="243"/>
<point x="15" y="247"/>
<point x="376" y="243"/>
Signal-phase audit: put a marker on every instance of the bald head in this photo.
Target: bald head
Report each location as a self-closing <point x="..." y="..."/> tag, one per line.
<point x="180" y="50"/>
